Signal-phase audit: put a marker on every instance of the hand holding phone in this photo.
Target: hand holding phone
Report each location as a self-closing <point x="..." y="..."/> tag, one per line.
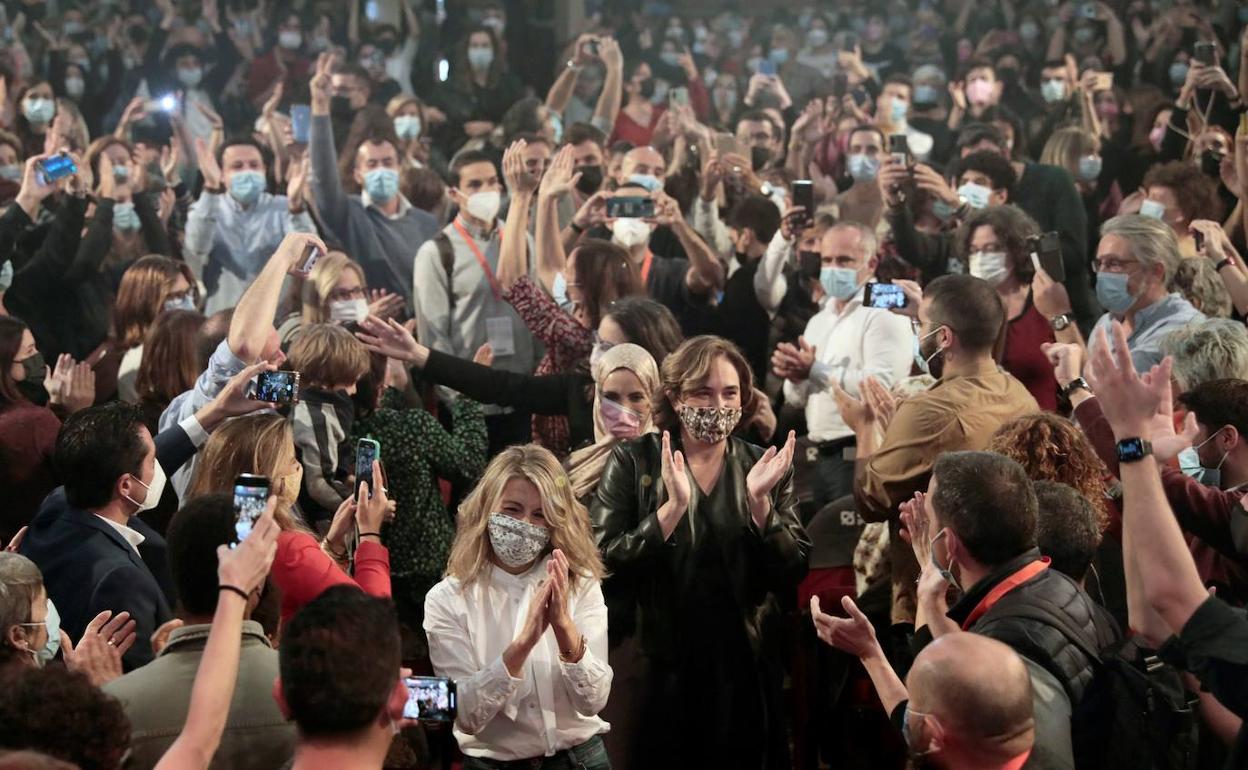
<point x="630" y="207"/>
<point x="55" y="168"/>
<point x="1047" y="250"/>
<point x="804" y="196"/>
<point x="300" y="122"/>
<point x="884" y="296"/>
<point x="311" y="253"/>
<point x="366" y="452"/>
<point x="251" y="495"/>
<point x="430" y="699"/>
<point x="276" y="387"/>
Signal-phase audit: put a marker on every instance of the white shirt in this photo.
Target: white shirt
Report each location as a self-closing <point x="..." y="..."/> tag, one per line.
<point x="850" y="345"/>
<point x="131" y="536"/>
<point x="553" y="706"/>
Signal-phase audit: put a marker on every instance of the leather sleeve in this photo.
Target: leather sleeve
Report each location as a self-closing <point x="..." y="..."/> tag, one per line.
<point x="626" y="534"/>
<point x="785" y="546"/>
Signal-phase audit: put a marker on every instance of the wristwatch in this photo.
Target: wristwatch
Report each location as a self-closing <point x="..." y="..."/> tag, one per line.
<point x="1076" y="384"/>
<point x="1060" y="322"/>
<point x="1131" y="450"/>
<point x="1229" y="261"/>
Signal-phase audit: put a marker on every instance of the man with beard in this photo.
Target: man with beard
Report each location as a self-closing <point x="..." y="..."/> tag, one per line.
<point x="959" y="319"/>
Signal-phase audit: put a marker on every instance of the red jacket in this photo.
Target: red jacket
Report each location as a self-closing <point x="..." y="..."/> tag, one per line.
<point x="303" y="571"/>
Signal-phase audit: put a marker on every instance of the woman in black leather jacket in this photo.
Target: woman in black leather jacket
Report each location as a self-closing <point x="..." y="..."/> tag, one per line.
<point x="703" y="528"/>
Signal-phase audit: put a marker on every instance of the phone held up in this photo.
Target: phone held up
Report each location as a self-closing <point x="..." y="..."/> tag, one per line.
<point x="251" y="494"/>
<point x="630" y="207"/>
<point x="430" y="699"/>
<point x="311" y="253"/>
<point x="885" y="296"/>
<point x="276" y="388"/>
<point x="804" y="196"/>
<point x="55" y="168"/>
<point x="1047" y="250"/>
<point x="366" y="452"/>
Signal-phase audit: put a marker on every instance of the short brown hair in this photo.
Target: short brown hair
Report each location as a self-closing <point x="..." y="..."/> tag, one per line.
<point x="141" y="296"/>
<point x="969" y="306"/>
<point x="605" y="275"/>
<point x="690" y="364"/>
<point x="328" y="355"/>
<point x="1196" y="193"/>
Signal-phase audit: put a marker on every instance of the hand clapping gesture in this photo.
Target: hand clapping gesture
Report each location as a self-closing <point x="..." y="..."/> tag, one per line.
<point x="559" y="179"/>
<point x="764" y="476"/>
<point x="519" y="180"/>
<point x="854" y="635"/>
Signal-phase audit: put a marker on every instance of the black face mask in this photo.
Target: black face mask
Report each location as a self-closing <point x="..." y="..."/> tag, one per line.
<point x="387" y="45"/>
<point x="809" y="264"/>
<point x="759" y="157"/>
<point x="1211" y="164"/>
<point x="646" y="89"/>
<point x="591" y="179"/>
<point x="340" y="107"/>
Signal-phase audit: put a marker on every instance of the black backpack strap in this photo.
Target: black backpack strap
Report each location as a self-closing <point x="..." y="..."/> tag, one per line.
<point x="1046" y="614"/>
<point x="447" y="254"/>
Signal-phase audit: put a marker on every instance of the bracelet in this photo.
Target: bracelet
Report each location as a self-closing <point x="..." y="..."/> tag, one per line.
<point x="1228" y="262"/>
<point x="234" y="589"/>
<point x="370" y="534"/>
<point x="576" y="228"/>
<point x="575" y="655"/>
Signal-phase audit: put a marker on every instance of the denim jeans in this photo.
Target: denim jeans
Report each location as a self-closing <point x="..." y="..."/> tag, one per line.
<point x="832" y="476"/>
<point x="590" y="755"/>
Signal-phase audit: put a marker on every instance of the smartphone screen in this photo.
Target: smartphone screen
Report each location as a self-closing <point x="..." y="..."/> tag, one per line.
<point x="366" y="451"/>
<point x="885" y="296"/>
<point x="300" y="122"/>
<point x="430" y="699"/>
<point x="804" y="196"/>
<point x="57" y="167"/>
<point x="630" y="207"/>
<point x="899" y="149"/>
<point x="1204" y="52"/>
<point x="277" y="387"/>
<point x="767" y="67"/>
<point x="678" y="96"/>
<point x="251" y="493"/>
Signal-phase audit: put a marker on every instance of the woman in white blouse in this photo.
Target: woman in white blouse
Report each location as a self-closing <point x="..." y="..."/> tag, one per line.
<point x="519" y="622"/>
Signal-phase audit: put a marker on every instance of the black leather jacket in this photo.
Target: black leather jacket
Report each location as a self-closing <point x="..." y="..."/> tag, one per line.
<point x="627" y="530"/>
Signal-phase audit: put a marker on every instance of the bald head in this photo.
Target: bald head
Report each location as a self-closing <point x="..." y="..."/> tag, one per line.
<point x="642" y="160"/>
<point x="979" y="693"/>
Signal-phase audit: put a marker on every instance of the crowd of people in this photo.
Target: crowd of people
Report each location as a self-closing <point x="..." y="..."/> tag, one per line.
<point x="667" y="385"/>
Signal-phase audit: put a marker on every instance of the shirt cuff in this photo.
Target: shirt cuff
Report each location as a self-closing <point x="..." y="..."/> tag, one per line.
<point x="821" y="373"/>
<point x="585" y="674"/>
<point x="194" y="431"/>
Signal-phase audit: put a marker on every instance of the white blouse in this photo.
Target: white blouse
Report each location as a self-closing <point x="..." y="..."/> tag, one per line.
<point x="554" y="705"/>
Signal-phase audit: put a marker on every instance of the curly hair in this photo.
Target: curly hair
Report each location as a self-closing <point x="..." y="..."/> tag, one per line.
<point x="1052" y="448"/>
<point x="1196" y="193"/>
<point x="1012" y="226"/>
<point x="41" y="707"/>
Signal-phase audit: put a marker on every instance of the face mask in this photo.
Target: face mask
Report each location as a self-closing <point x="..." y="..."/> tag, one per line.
<point x="897" y="111"/>
<point x="39" y="110"/>
<point x="759" y="158"/>
<point x="1190" y="464"/>
<point x="556" y="128"/>
<point x="675" y="33"/>
<point x="407" y="126"/>
<point x="516" y="543"/>
<point x="154" y="490"/>
<point x="33" y="368"/>
<point x="1085" y="35"/>
<point x="340" y="107"/>
<point x="778" y="56"/>
<point x="348" y="311"/>
<point x="290" y="39"/>
<point x="190" y="76"/>
<point x="974" y="194"/>
<point x="736" y="37"/>
<point x="1090" y="168"/>
<point x="71" y="28"/>
<point x="619" y="420"/>
<point x="480" y="58"/>
<point x="924" y="363"/>
<point x="495" y="23"/>
<point x="6" y="275"/>
<point x="670" y="58"/>
<point x="646" y="89"/>
<point x="74" y="87"/>
<point x="11" y="172"/>
<point x="649" y="182"/>
<point x="246" y="186"/>
<point x="1112" y="292"/>
<point x="484" y="205"/>
<point x="942" y="211"/>
<point x="1178" y="73"/>
<point x="1152" y="209"/>
<point x="53" y="622"/>
<point x="382" y="184"/>
<point x="908" y="736"/>
<point x="1028" y="30"/>
<point x="591" y="179"/>
<point x="946" y="573"/>
<point x="319" y="44"/>
<point x="629" y="232"/>
<point x="121" y="174"/>
<point x="839" y="282"/>
<point x="863" y="168"/>
<point x="978" y="91"/>
<point x="125" y="218"/>
<point x="989" y="266"/>
<point x="1053" y="91"/>
<point x="926" y="95"/>
<point x="816" y="38"/>
<point x="184" y="302"/>
<point x="709" y="424"/>
<point x="809" y="264"/>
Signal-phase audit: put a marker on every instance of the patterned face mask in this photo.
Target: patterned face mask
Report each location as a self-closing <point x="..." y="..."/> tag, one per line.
<point x="516" y="543"/>
<point x="709" y="424"/>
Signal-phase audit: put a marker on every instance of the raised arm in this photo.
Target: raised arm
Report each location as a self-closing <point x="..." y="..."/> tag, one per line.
<point x="557" y="182"/>
<point x="513" y="256"/>
<point x="856" y="636"/>
<point x="706" y="272"/>
<point x="560" y="92"/>
<point x="331" y="201"/>
<point x="608" y="107"/>
<point x="252" y="324"/>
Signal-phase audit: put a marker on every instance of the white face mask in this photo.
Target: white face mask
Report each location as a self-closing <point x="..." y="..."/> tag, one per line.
<point x="154" y="490"/>
<point x="516" y="543"/>
<point x="348" y="311"/>
<point x="629" y="232"/>
<point x="484" y="205"/>
<point x="990" y="266"/>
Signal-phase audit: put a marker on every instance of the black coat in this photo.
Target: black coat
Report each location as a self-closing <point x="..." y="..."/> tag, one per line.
<point x="88" y="567"/>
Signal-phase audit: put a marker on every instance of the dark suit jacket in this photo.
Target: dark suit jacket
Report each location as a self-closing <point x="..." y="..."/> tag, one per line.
<point x="88" y="567"/>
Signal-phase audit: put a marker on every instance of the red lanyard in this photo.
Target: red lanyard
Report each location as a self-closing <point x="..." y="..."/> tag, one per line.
<point x="1003" y="588"/>
<point x="645" y="267"/>
<point x="485" y="266"/>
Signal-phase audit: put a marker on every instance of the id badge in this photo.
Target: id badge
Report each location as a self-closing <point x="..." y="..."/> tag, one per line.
<point x="498" y="332"/>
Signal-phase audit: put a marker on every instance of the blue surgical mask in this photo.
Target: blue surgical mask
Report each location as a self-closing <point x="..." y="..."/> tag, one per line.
<point x="556" y="128"/>
<point x="1112" y="292"/>
<point x="863" y="168"/>
<point x="942" y="211"/>
<point x="975" y="194"/>
<point x="6" y="275"/>
<point x="480" y="58"/>
<point x="1153" y="209"/>
<point x="945" y="572"/>
<point x="670" y="58"/>
<point x="246" y="186"/>
<point x="897" y="111"/>
<point x="407" y="126"/>
<point x="1178" y="73"/>
<point x="778" y="56"/>
<point x="1053" y="90"/>
<point x="190" y="76"/>
<point x="183" y="302"/>
<point x="39" y="110"/>
<point x="1090" y="168"/>
<point x="53" y="623"/>
<point x="1190" y="464"/>
<point x="839" y="282"/>
<point x="11" y="172"/>
<point x="125" y="218"/>
<point x="816" y="37"/>
<point x="650" y="182"/>
<point x="381" y="184"/>
<point x="925" y="94"/>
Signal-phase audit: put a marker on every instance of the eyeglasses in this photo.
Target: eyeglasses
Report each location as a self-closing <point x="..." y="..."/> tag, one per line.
<point x="341" y="294"/>
<point x="1113" y="265"/>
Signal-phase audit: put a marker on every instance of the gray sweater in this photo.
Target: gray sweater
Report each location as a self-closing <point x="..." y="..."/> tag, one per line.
<point x="384" y="246"/>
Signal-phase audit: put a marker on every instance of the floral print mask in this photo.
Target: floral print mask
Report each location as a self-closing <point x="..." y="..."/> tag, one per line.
<point x="516" y="543"/>
<point x="709" y="424"/>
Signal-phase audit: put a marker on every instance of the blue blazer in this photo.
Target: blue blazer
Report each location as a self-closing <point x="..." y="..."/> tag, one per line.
<point x="88" y="567"/>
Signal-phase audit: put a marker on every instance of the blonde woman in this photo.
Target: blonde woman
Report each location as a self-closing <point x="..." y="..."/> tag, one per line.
<point x="519" y="621"/>
<point x="1080" y="152"/>
<point x="335" y="291"/>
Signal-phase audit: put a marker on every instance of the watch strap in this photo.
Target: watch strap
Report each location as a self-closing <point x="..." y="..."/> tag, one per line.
<point x="1076" y="384"/>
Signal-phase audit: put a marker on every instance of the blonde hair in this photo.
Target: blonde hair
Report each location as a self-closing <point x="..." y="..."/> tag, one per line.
<point x="398" y="102"/>
<point x="328" y="356"/>
<point x="1067" y="145"/>
<point x="566" y="518"/>
<point x="689" y="365"/>
<point x="254" y="443"/>
<point x="321" y="282"/>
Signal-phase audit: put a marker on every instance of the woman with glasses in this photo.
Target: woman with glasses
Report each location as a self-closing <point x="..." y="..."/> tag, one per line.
<point x="335" y="291"/>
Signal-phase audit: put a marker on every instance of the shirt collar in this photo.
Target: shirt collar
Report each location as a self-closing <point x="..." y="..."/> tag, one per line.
<point x="129" y="535"/>
<point x="477" y="232"/>
<point x="1157" y="311"/>
<point x="368" y="202"/>
<point x="188" y="635"/>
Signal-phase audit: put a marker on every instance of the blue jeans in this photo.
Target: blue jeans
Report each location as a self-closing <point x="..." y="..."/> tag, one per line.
<point x="590" y="755"/>
<point x="832" y="476"/>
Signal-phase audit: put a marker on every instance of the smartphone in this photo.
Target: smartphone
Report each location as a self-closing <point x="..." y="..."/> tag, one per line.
<point x="167" y="103"/>
<point x="366" y="451"/>
<point x="850" y="43"/>
<point x="809" y="264"/>
<point x="372" y="11"/>
<point x="1205" y="52"/>
<point x="1104" y="81"/>
<point x="804" y="196"/>
<point x="678" y="96"/>
<point x="767" y="67"/>
<point x="1047" y="248"/>
<point x="311" y="253"/>
<point x="300" y="122"/>
<point x="430" y="699"/>
<point x="883" y="295"/>
<point x="55" y="168"/>
<point x="591" y="47"/>
<point x="1198" y="239"/>
<point x="251" y="494"/>
<point x="899" y="149"/>
<point x="630" y="206"/>
<point x="727" y="144"/>
<point x="276" y="388"/>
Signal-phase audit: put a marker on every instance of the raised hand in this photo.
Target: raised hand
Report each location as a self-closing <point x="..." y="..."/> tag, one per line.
<point x="1135" y="398"/>
<point x="793" y="222"/>
<point x="98" y="655"/>
<point x="321" y="84"/>
<point x="372" y="507"/>
<point x="531" y="631"/>
<point x="593" y="211"/>
<point x="1167" y="442"/>
<point x="391" y="339"/>
<point x="914" y="297"/>
<point x="1049" y="296"/>
<point x="484" y="355"/>
<point x="793" y="362"/>
<point x="385" y="304"/>
<point x="856" y="413"/>
<point x="246" y="566"/>
<point x="33" y="190"/>
<point x="854" y="635"/>
<point x="297" y="186"/>
<point x="675" y="480"/>
<point x="16" y="542"/>
<point x="208" y="166"/>
<point x="135" y="111"/>
<point x="764" y="476"/>
<point x="340" y="527"/>
<point x="915" y="528"/>
<point x="559" y="179"/>
<point x="1066" y="359"/>
<point x="666" y="210"/>
<point x="609" y="52"/>
<point x="519" y="180"/>
<point x="557" y="614"/>
<point x="79" y="390"/>
<point x="712" y="174"/>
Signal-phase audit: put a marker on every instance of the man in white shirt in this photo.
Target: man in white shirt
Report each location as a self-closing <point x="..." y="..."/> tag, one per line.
<point x="845" y="343"/>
